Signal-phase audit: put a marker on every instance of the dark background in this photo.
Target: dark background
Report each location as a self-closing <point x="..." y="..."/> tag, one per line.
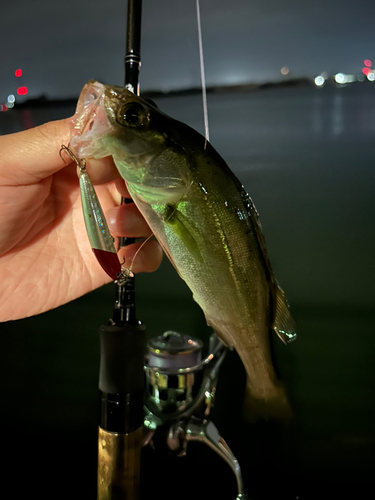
<point x="306" y="156"/>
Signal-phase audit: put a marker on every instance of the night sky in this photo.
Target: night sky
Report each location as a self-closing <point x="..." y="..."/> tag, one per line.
<point x="60" y="46"/>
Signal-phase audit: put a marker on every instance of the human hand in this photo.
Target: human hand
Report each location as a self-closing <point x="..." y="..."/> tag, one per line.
<point x="45" y="256"/>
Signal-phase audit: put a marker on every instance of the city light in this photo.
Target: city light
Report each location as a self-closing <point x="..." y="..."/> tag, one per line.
<point x="319" y="81"/>
<point x="284" y="70"/>
<point x="22" y="90"/>
<point x="340" y="78"/>
<point x="18" y="73"/>
<point x="10" y="101"/>
<point x="3" y="107"/>
<point x="367" y="63"/>
<point x="371" y="76"/>
<point x="366" y="71"/>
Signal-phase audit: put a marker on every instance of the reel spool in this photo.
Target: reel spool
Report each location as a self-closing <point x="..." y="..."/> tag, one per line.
<point x="172" y="374"/>
<point x="178" y="381"/>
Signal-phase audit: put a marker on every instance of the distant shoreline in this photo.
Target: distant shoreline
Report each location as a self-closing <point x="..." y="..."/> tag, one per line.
<point x="243" y="88"/>
<point x="44" y="101"/>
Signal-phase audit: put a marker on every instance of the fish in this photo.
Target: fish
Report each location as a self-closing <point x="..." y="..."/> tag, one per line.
<point x="204" y="220"/>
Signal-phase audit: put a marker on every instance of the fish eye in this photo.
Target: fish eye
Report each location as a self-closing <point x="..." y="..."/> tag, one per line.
<point x="133" y="115"/>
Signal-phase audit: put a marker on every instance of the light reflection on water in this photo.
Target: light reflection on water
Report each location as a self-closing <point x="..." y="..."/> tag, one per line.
<point x="337" y="115"/>
<point x="316" y="112"/>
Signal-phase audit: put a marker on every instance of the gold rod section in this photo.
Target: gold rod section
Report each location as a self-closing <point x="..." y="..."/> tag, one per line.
<point x="119" y="462"/>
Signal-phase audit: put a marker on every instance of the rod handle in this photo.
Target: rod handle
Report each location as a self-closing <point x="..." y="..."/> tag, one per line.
<point x="119" y="463"/>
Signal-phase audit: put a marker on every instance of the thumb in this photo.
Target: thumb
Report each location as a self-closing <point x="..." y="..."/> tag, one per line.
<point x="30" y="156"/>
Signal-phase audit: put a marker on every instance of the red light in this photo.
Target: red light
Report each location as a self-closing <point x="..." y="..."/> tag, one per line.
<point x="3" y="107"/>
<point x="18" y="72"/>
<point x="367" y="63"/>
<point x="22" y="90"/>
<point x="366" y="71"/>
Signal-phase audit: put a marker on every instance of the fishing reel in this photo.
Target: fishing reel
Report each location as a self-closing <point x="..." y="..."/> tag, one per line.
<point x="180" y="391"/>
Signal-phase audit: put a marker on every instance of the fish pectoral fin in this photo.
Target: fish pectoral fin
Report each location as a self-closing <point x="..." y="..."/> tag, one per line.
<point x="180" y="226"/>
<point x="283" y="324"/>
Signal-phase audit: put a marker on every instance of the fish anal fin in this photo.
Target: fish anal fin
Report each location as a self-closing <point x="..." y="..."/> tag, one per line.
<point x="283" y="324"/>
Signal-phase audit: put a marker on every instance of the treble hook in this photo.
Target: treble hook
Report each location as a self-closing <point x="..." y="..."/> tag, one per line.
<point x="81" y="164"/>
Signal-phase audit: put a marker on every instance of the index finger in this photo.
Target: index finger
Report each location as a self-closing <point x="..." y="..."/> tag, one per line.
<point x="32" y="155"/>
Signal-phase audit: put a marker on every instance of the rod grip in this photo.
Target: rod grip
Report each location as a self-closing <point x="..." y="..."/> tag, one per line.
<point x="122" y="357"/>
<point x="119" y="459"/>
<point x="121" y="377"/>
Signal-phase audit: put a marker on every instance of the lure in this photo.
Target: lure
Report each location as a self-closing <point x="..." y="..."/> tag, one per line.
<point x="101" y="240"/>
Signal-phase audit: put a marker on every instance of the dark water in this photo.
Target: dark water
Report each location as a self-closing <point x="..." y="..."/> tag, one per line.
<point x="306" y="157"/>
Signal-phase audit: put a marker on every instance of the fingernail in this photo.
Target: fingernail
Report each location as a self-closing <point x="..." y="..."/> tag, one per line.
<point x="121" y="221"/>
<point x="111" y="217"/>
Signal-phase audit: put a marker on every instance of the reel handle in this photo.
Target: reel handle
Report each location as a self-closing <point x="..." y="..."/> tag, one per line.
<point x="205" y="431"/>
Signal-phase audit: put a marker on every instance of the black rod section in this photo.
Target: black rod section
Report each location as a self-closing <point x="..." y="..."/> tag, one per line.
<point x="133" y="46"/>
<point x="121" y="381"/>
<point x="130" y="335"/>
<point x="132" y="67"/>
<point x="125" y="295"/>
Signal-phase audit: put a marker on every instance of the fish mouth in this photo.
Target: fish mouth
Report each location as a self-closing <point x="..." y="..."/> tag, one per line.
<point x="90" y="123"/>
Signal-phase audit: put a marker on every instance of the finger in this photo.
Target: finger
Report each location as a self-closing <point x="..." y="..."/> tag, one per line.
<point x="102" y="171"/>
<point x="126" y="220"/>
<point x="32" y="155"/>
<point x="122" y="189"/>
<point x="142" y="257"/>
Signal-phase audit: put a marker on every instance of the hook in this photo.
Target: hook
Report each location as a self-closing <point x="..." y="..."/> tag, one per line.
<point x="81" y="164"/>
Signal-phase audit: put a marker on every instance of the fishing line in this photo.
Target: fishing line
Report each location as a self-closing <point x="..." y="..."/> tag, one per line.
<point x="203" y="78"/>
<point x="137" y="252"/>
<point x="205" y="111"/>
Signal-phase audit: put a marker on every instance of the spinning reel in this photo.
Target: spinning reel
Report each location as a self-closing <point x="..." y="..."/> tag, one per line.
<point x="180" y="391"/>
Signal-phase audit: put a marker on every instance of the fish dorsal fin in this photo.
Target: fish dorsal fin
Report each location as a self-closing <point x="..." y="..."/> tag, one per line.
<point x="257" y="226"/>
<point x="283" y="324"/>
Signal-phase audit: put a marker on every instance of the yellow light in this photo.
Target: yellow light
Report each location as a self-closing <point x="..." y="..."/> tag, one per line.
<point x="284" y="70"/>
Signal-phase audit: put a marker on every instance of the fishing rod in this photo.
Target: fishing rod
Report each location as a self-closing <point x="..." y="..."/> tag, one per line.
<point x="122" y="352"/>
<point x="170" y="407"/>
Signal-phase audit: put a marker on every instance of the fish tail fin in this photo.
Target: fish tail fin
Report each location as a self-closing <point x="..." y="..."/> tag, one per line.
<point x="272" y="404"/>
